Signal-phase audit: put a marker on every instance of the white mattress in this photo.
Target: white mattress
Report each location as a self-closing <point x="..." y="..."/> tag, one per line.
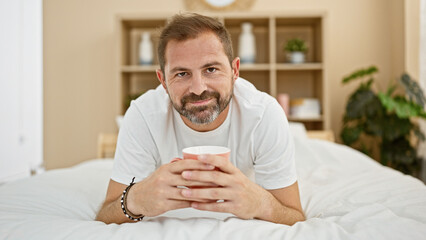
<point x="345" y="195"/>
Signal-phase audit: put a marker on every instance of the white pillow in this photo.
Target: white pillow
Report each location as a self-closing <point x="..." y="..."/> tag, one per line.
<point x="298" y="130"/>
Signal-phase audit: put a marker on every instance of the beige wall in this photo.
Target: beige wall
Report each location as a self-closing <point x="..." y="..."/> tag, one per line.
<point x="412" y="38"/>
<point x="80" y="96"/>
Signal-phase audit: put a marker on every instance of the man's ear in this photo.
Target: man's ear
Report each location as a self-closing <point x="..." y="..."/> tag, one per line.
<point x="162" y="79"/>
<point x="236" y="68"/>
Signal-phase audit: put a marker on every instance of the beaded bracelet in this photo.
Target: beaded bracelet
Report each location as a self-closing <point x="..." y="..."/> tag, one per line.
<point x="126" y="211"/>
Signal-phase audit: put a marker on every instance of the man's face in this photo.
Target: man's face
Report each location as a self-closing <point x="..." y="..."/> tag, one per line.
<point x="198" y="77"/>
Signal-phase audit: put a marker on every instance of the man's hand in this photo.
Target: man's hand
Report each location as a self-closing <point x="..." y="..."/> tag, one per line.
<point x="155" y="195"/>
<point x="159" y="193"/>
<point x="242" y="197"/>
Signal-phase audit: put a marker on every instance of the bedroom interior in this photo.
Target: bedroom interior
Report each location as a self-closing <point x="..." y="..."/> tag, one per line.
<point x="81" y="86"/>
<point x="91" y="69"/>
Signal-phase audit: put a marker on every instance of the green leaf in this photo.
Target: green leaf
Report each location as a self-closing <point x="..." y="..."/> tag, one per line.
<point x="371" y="70"/>
<point x="395" y="127"/>
<point x="413" y="90"/>
<point x="400" y="155"/>
<point x="350" y="135"/>
<point x="367" y="85"/>
<point x="357" y="103"/>
<point x="360" y="73"/>
<point x="390" y="90"/>
<point x="402" y="107"/>
<point x="296" y="45"/>
<point x="363" y="103"/>
<point x="374" y="126"/>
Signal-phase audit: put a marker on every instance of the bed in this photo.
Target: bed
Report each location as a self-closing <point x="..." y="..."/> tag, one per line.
<point x="345" y="195"/>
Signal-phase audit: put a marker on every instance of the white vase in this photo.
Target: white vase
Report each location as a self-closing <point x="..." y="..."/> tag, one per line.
<point x="145" y="49"/>
<point x="247" y="44"/>
<point x="297" y="57"/>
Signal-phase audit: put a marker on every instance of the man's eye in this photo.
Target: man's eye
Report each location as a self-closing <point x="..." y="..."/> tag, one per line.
<point x="182" y="74"/>
<point x="211" y="70"/>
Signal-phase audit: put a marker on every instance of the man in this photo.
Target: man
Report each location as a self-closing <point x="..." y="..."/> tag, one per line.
<point x="202" y="101"/>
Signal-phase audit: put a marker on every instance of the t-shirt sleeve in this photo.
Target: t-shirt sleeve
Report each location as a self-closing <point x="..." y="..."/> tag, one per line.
<point x="135" y="152"/>
<point x="274" y="162"/>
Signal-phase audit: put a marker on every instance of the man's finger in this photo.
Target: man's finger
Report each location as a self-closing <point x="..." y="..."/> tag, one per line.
<point x="220" y="162"/>
<point x="175" y="193"/>
<point x="188" y="164"/>
<point x="216" y="177"/>
<point x="208" y="193"/>
<point x="178" y="180"/>
<point x="225" y="207"/>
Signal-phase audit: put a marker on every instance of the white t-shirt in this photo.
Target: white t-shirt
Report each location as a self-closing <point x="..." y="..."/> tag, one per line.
<point x="256" y="130"/>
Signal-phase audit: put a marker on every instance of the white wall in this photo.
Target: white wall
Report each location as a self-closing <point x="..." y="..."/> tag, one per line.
<point x="21" y="88"/>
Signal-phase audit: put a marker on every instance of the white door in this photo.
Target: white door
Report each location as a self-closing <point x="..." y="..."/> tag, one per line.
<point x="21" y="88"/>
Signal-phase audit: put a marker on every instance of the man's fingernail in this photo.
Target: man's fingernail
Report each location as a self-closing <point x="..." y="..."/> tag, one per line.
<point x="186" y="192"/>
<point x="208" y="166"/>
<point x="202" y="157"/>
<point x="186" y="174"/>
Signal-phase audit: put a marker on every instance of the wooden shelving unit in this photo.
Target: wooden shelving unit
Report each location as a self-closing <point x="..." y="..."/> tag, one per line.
<point x="271" y="73"/>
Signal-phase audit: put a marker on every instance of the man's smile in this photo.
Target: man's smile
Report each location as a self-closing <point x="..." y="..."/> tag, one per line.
<point x="201" y="102"/>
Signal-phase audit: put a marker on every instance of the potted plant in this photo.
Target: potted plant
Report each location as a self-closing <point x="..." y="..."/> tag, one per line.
<point x="296" y="48"/>
<point x="385" y="118"/>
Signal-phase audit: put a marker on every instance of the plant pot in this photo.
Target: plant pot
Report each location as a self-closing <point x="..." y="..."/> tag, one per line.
<point x="297" y="57"/>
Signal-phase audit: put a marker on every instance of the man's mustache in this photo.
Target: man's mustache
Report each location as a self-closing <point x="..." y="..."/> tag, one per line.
<point x="203" y="96"/>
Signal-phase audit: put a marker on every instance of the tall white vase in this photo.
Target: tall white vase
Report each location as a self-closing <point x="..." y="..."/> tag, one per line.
<point x="145" y="49"/>
<point x="247" y="44"/>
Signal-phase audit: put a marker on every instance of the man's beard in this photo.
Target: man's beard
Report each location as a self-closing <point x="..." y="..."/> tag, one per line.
<point x="206" y="114"/>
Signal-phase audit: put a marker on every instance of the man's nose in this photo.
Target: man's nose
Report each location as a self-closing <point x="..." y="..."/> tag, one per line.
<point x="198" y="85"/>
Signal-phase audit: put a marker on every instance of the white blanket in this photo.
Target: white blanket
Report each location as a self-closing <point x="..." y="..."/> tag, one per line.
<point x="345" y="195"/>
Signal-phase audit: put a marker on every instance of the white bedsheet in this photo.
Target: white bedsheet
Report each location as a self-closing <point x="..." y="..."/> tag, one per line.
<point x="345" y="195"/>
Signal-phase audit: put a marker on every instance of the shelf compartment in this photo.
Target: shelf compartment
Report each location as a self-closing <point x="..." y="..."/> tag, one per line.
<point x="131" y="32"/>
<point x="303" y="84"/>
<point x="260" y="79"/>
<point x="307" y="29"/>
<point x="300" y="84"/>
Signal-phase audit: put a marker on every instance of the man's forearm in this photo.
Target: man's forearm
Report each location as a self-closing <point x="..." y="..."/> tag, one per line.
<point x="274" y="211"/>
<point x="111" y="212"/>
